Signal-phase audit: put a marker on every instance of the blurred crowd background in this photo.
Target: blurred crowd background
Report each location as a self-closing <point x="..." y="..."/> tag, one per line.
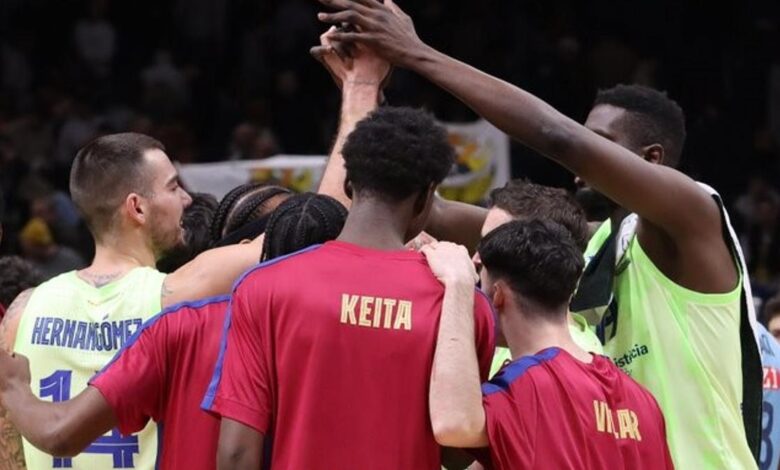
<point x="232" y="79"/>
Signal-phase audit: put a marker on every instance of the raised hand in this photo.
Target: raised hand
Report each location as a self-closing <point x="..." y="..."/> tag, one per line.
<point x="450" y="263"/>
<point x="382" y="26"/>
<point x="355" y="65"/>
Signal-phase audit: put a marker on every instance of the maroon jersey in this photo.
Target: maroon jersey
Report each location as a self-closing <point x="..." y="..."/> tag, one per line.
<point x="162" y="374"/>
<point x="550" y="411"/>
<point x="330" y="352"/>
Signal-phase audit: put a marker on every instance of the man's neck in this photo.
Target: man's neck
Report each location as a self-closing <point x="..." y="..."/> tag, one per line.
<point x="377" y="225"/>
<point x="527" y="336"/>
<point x="117" y="258"/>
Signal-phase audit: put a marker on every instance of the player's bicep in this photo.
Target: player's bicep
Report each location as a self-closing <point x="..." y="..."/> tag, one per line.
<point x="10" y="322"/>
<point x="666" y="197"/>
<point x="211" y="273"/>
<point x="240" y="447"/>
<point x="456" y="222"/>
<point x="84" y="419"/>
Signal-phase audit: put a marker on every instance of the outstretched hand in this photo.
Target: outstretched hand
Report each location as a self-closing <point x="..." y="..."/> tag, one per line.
<point x="384" y="27"/>
<point x="351" y="63"/>
<point x="450" y="263"/>
<point x="14" y="371"/>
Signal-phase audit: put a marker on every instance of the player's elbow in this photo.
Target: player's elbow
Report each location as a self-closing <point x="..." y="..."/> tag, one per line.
<point x="235" y="457"/>
<point x="458" y="429"/>
<point x="59" y="443"/>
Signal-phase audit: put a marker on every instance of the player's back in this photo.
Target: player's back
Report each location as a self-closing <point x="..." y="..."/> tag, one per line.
<point x="69" y="330"/>
<point x="162" y="375"/>
<point x="551" y="411"/>
<point x="351" y="332"/>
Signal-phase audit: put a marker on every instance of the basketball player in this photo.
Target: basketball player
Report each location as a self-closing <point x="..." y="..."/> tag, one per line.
<point x="679" y="269"/>
<point x="338" y="372"/>
<point x="163" y="373"/>
<point x="555" y="406"/>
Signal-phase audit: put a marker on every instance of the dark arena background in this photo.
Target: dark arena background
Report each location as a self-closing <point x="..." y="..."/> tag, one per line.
<point x="299" y="249"/>
<point x="232" y="79"/>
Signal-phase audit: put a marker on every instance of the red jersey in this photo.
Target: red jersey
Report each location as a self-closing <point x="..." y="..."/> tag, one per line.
<point x="551" y="411"/>
<point x="162" y="374"/>
<point x="330" y="351"/>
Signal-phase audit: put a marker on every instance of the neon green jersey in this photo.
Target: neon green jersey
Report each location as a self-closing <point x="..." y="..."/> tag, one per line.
<point x="580" y="331"/>
<point x="684" y="346"/>
<point x="69" y="331"/>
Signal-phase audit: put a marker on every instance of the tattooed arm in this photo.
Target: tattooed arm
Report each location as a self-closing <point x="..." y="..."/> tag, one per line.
<point x="11" y="453"/>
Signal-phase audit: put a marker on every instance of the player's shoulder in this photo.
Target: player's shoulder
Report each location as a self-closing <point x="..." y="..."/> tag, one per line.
<point x="182" y="317"/>
<point x="291" y="261"/>
<point x="520" y="371"/>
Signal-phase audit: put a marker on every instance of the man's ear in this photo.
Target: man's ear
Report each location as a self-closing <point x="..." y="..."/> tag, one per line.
<point x="348" y="188"/>
<point x="135" y="208"/>
<point x="499" y="295"/>
<point x="654" y="153"/>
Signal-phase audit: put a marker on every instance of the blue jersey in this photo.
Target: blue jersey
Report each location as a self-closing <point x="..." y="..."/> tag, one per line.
<point x="770" y="419"/>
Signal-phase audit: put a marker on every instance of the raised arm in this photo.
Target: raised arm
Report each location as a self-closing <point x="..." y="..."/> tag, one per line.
<point x="455" y="397"/>
<point x="211" y="273"/>
<point x="663" y="196"/>
<point x="61" y="429"/>
<point x="361" y="76"/>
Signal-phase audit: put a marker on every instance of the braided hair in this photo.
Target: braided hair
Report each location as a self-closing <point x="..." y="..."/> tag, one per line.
<point x="243" y="205"/>
<point x="300" y="221"/>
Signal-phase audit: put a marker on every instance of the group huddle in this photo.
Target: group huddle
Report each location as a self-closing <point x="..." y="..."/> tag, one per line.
<point x="387" y="328"/>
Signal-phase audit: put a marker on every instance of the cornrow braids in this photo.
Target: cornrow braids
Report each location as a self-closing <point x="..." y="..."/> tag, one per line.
<point x="240" y="206"/>
<point x="225" y="205"/>
<point x="253" y="206"/>
<point x="301" y="221"/>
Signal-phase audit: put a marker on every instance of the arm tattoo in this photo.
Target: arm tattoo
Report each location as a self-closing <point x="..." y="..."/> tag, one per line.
<point x="11" y="452"/>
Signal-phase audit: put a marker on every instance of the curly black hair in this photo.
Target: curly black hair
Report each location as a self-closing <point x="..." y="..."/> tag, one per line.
<point x="538" y="259"/>
<point x="301" y="221"/>
<point x="652" y="118"/>
<point x="243" y="205"/>
<point x="521" y="198"/>
<point x="396" y="153"/>
<point x="16" y="276"/>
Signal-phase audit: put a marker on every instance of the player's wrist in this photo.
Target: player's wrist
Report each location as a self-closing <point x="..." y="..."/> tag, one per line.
<point x="458" y="282"/>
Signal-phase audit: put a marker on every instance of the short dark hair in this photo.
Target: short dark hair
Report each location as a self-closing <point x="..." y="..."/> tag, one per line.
<point x="301" y="221"/>
<point x="196" y="220"/>
<point x="16" y="276"/>
<point x="771" y="309"/>
<point x="243" y="205"/>
<point x="397" y="152"/>
<point x="524" y="199"/>
<point x="653" y="118"/>
<point x="537" y="258"/>
<point x="104" y="172"/>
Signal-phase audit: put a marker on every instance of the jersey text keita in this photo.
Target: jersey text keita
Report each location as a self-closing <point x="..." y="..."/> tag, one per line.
<point x="376" y="312"/>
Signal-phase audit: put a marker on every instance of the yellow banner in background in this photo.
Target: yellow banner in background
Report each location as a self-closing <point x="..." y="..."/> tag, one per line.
<point x="482" y="164"/>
